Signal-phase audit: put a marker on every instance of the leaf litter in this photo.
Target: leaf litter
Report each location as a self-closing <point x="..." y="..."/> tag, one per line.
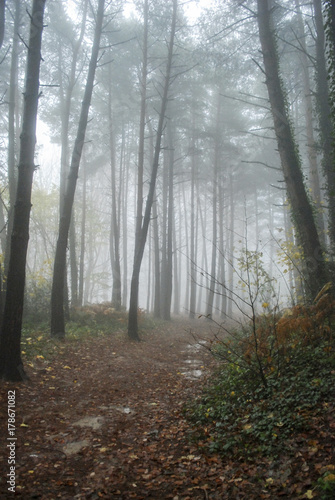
<point x="104" y="419"/>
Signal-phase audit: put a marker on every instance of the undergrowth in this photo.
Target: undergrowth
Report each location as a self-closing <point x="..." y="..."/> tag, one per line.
<point x="86" y="322"/>
<point x="275" y="376"/>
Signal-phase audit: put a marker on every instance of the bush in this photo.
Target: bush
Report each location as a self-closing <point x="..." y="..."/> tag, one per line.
<point x="275" y="374"/>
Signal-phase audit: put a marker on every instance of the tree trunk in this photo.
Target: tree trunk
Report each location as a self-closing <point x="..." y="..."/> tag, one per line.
<point x="2" y="21"/>
<point x="325" y="122"/>
<point x="115" y="225"/>
<point x="13" y="85"/>
<point x="82" y="239"/>
<point x="73" y="262"/>
<point x="167" y="293"/>
<point x="311" y="143"/>
<point x="11" y="367"/>
<point x="193" y="257"/>
<point x="140" y="167"/>
<point x="57" y="293"/>
<point x="213" y="277"/>
<point x="315" y="270"/>
<point x="132" y="320"/>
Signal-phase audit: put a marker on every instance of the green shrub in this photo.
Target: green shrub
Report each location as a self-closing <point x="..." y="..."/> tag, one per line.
<point x="274" y="375"/>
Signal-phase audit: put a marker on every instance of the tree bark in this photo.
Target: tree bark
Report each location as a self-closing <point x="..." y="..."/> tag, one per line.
<point x="325" y="121"/>
<point x="314" y="176"/>
<point x="11" y="367"/>
<point x="57" y="293"/>
<point x="2" y="21"/>
<point x="115" y="225"/>
<point x="12" y="102"/>
<point x="314" y="264"/>
<point x="133" y="306"/>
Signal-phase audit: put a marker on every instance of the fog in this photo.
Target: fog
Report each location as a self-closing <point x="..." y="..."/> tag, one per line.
<point x="221" y="235"/>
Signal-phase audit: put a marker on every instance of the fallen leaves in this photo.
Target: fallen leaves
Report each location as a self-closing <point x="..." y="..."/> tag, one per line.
<point x="144" y="452"/>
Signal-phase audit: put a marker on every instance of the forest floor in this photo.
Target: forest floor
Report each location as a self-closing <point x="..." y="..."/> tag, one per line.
<point x="104" y="419"/>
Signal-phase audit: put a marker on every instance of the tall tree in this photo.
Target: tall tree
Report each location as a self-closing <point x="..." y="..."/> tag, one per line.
<point x="57" y="294"/>
<point x="2" y="20"/>
<point x="12" y="103"/>
<point x="325" y="122"/>
<point x="11" y="367"/>
<point x="315" y="269"/>
<point x="133" y="306"/>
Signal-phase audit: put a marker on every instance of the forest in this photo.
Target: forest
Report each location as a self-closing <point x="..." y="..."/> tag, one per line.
<point x="167" y="225"/>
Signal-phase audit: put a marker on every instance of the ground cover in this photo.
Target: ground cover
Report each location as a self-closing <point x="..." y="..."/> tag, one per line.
<point x="104" y="418"/>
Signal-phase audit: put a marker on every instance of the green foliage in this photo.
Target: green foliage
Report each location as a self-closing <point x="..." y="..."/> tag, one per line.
<point x="97" y="317"/>
<point x="275" y="375"/>
<point x="326" y="485"/>
<point x="87" y="322"/>
<point x="38" y="294"/>
<point x="242" y="416"/>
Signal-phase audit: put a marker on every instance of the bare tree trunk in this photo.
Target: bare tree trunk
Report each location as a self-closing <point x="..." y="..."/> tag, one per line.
<point x="311" y="143"/>
<point x="57" y="293"/>
<point x="157" y="289"/>
<point x="193" y="257"/>
<point x="82" y="238"/>
<point x="2" y="20"/>
<point x="213" y="276"/>
<point x="325" y="122"/>
<point x="140" y="167"/>
<point x="11" y="367"/>
<point x="231" y="247"/>
<point x="13" y="85"/>
<point x="133" y="306"/>
<point x="115" y="225"/>
<point x="167" y="292"/>
<point x="73" y="262"/>
<point x="315" y="269"/>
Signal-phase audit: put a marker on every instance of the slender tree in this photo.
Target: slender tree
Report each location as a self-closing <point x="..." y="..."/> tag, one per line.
<point x="57" y="294"/>
<point x="315" y="270"/>
<point x="133" y="306"/>
<point x="11" y="367"/>
<point x="12" y="104"/>
<point x="325" y="121"/>
<point x="2" y="20"/>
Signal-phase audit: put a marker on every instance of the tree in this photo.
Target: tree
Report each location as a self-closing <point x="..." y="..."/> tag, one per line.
<point x="133" y="306"/>
<point x="2" y="20"/>
<point x="11" y="128"/>
<point x="325" y="122"/>
<point x="11" y="367"/>
<point x="315" y="270"/>
<point x="57" y="294"/>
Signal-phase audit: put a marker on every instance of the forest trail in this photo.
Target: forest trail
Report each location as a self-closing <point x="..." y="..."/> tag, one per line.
<point x="104" y="419"/>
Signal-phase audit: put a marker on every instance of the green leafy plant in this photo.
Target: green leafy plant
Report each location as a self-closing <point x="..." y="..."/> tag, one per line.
<point x="275" y="372"/>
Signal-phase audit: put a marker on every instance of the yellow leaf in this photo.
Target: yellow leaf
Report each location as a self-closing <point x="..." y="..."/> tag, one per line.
<point x="309" y="494"/>
<point x="330" y="477"/>
<point x="67" y="367"/>
<point x="24" y="425"/>
<point x="31" y="471"/>
<point x="39" y="356"/>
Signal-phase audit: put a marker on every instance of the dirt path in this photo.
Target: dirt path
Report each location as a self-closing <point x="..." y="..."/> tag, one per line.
<point x="104" y="420"/>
